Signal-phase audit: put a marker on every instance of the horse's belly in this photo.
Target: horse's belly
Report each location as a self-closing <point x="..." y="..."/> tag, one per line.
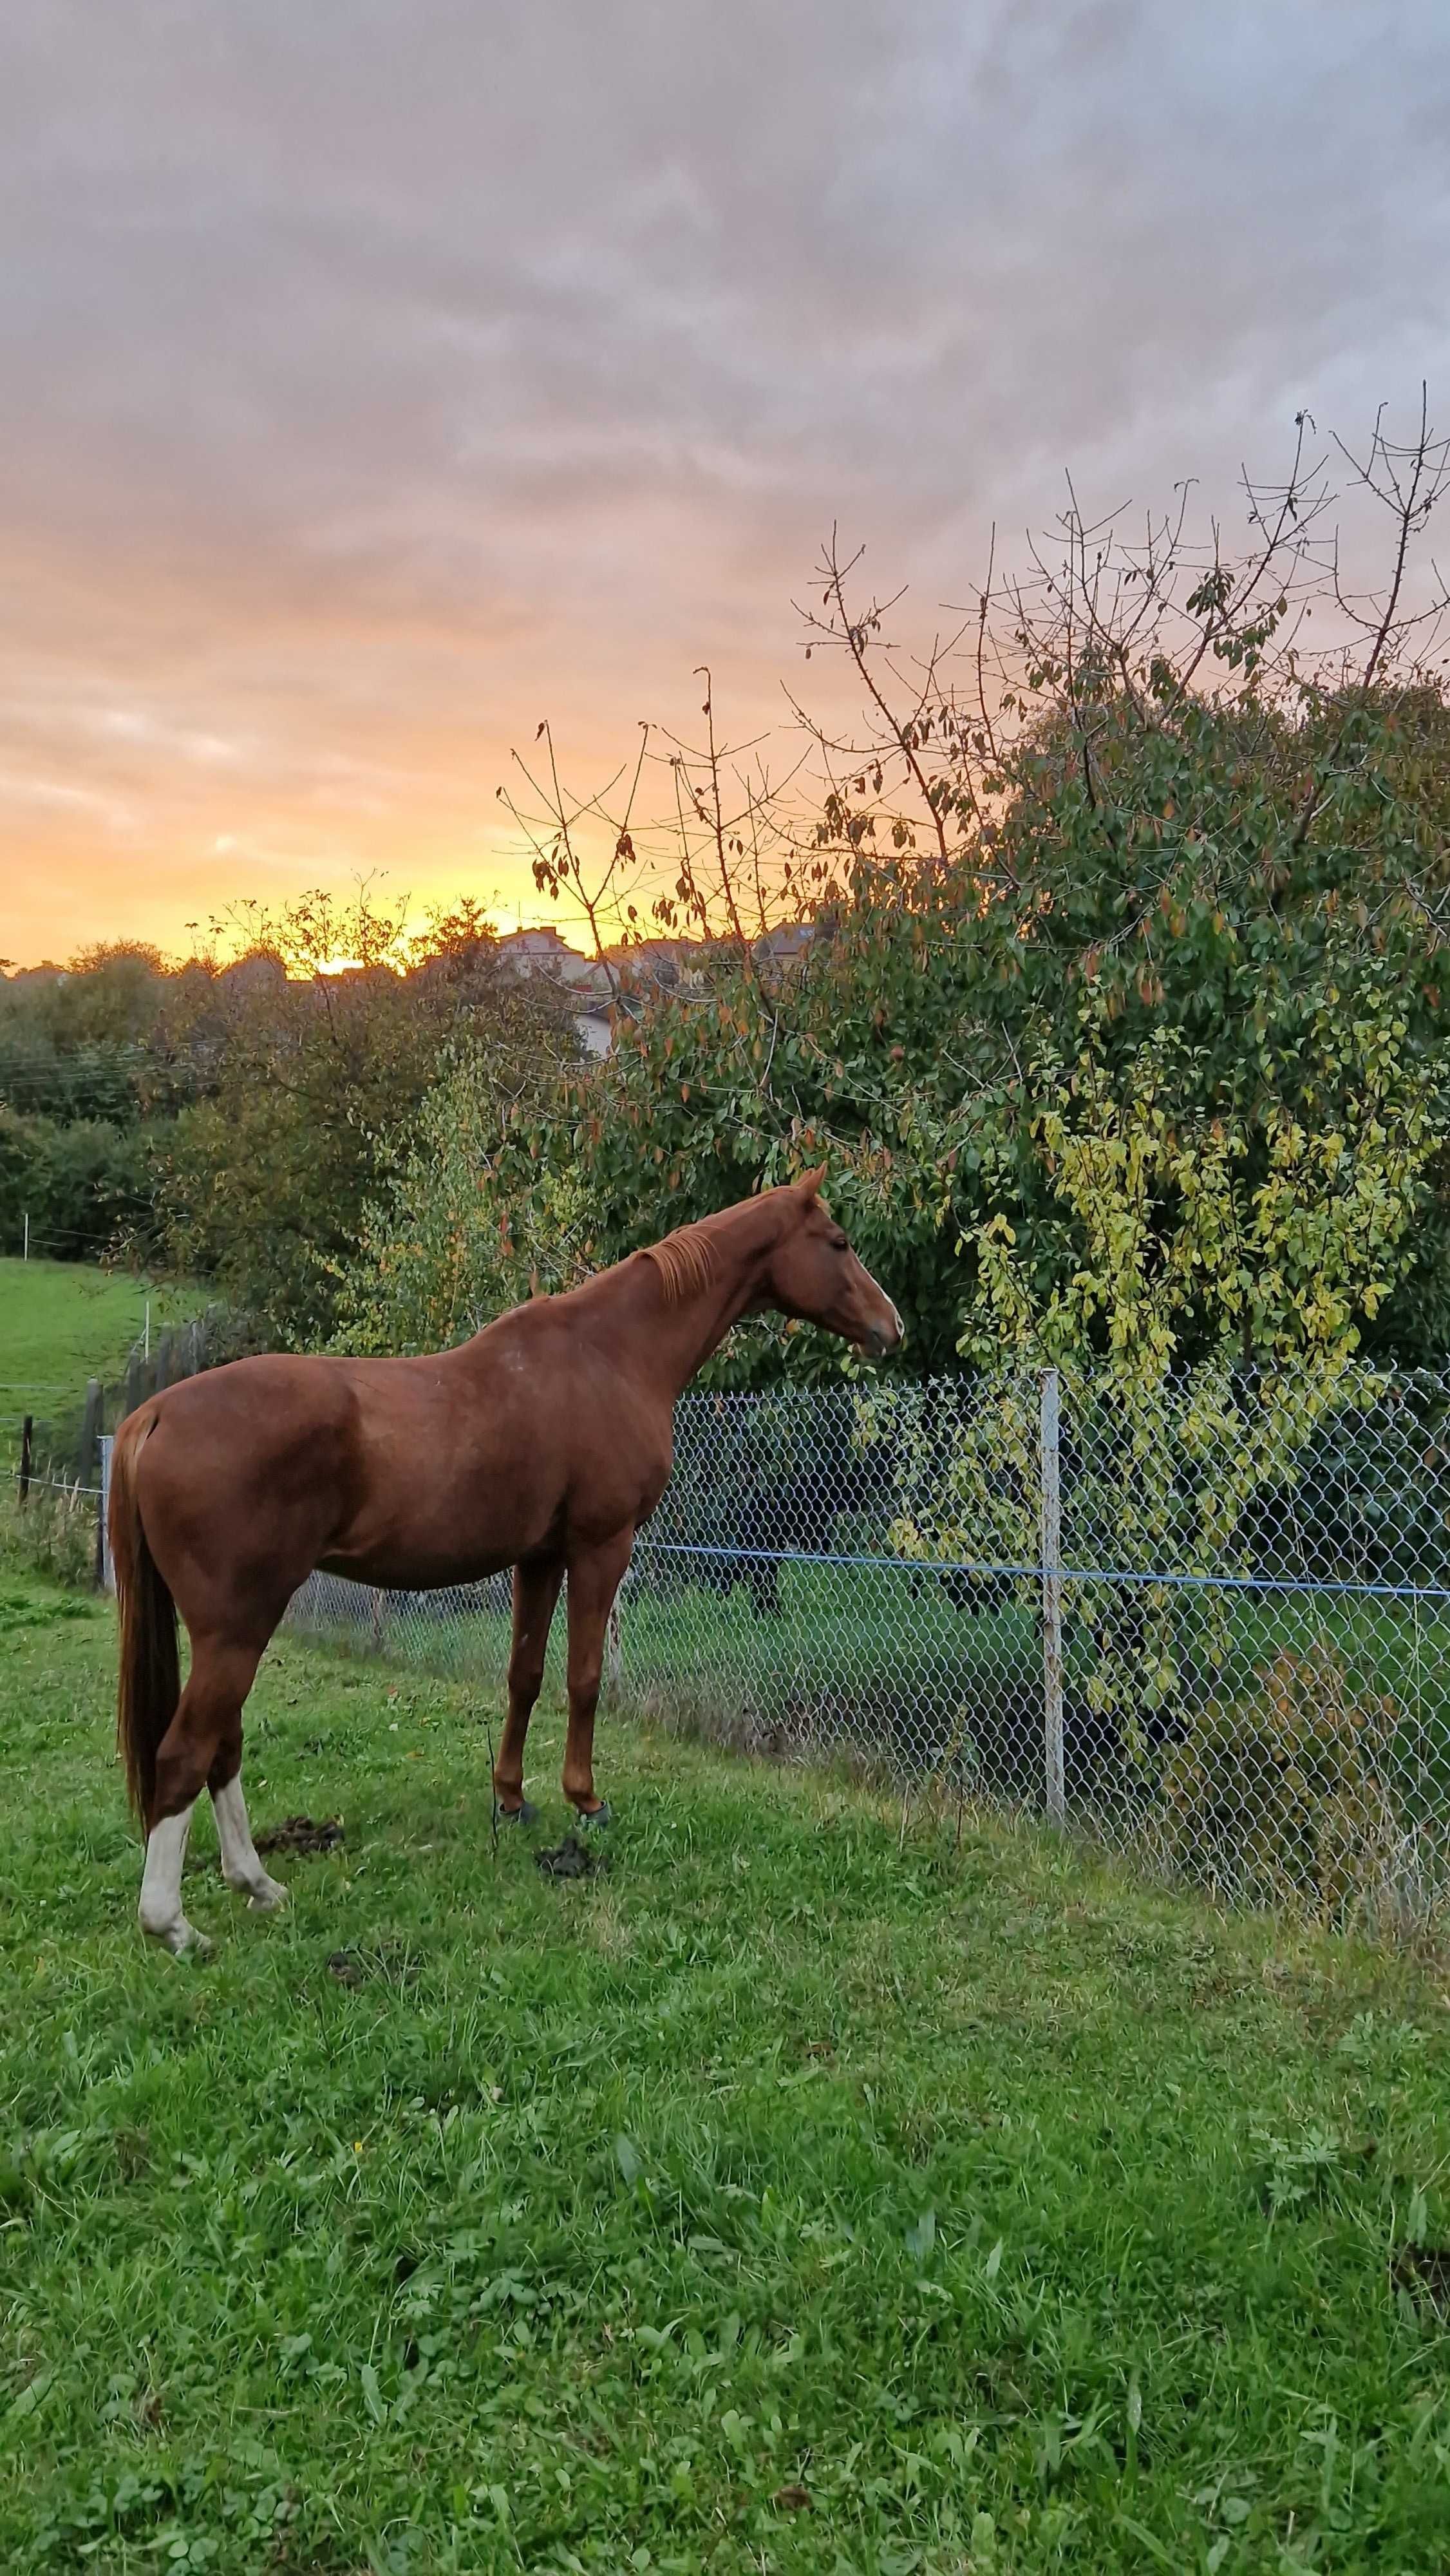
<point x="417" y="1570"/>
<point x="439" y="1552"/>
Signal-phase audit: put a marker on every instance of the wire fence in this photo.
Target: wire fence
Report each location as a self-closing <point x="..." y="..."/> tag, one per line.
<point x="1208" y="1626"/>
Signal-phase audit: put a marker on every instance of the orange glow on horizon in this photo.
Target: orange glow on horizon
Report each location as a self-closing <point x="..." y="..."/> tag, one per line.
<point x="43" y="923"/>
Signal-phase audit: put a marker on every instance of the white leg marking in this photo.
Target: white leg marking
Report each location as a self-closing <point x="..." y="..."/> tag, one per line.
<point x="240" y="1866"/>
<point x="160" y="1909"/>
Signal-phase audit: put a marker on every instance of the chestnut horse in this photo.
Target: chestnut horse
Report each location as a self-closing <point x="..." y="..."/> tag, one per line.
<point x="543" y="1443"/>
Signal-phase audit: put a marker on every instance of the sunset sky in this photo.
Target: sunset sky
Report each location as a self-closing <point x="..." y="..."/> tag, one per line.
<point x="377" y="379"/>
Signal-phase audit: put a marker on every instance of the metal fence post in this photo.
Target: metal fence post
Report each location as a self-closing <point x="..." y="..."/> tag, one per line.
<point x="613" y="1648"/>
<point x="1052" y="1598"/>
<point x="108" y="1571"/>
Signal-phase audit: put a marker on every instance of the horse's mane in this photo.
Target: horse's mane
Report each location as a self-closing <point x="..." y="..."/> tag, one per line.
<point x="685" y="1260"/>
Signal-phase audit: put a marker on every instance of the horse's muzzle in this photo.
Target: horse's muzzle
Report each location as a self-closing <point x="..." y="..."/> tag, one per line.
<point x="881" y="1338"/>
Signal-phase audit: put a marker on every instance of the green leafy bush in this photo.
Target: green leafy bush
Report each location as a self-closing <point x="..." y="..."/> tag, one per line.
<point x="1284" y="1796"/>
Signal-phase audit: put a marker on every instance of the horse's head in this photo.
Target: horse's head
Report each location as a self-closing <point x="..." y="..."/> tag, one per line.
<point x="813" y="1274"/>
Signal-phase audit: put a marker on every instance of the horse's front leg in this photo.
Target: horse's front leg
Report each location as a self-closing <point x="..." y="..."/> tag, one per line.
<point x="593" y="1582"/>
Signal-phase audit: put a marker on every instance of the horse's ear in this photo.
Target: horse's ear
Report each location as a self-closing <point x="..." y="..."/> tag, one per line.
<point x="809" y="1184"/>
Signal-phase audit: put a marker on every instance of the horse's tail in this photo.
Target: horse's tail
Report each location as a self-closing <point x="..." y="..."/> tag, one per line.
<point x="149" y="1684"/>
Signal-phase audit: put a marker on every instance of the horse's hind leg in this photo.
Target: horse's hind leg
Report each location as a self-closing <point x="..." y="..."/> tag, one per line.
<point x="593" y="1583"/>
<point x="203" y="1742"/>
<point x="241" y="1866"/>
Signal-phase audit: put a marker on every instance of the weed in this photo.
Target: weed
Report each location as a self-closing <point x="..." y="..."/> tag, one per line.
<point x="52" y="1534"/>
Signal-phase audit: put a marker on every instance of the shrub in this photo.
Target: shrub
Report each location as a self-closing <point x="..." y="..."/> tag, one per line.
<point x="1283" y="1796"/>
<point x="52" y="1533"/>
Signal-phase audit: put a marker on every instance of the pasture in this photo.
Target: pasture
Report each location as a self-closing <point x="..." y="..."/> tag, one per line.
<point x="62" y="1322"/>
<point x="805" y="2193"/>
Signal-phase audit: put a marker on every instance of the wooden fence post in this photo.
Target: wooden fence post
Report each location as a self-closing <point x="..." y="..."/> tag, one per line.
<point x="90" y="1432"/>
<point x="27" y="1437"/>
<point x="1052" y="1599"/>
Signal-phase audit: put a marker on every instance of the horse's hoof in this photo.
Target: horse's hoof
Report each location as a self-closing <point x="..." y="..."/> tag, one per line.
<point x="181" y="1938"/>
<point x="266" y="1898"/>
<point x="603" y="1815"/>
<point x="527" y="1814"/>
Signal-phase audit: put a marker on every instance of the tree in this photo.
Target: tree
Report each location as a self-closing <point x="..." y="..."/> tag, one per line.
<point x="1121" y="838"/>
<point x="308" y="1070"/>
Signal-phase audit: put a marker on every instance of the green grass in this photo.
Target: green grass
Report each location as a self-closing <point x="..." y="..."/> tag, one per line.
<point x="1016" y="2219"/>
<point x="62" y="1322"/>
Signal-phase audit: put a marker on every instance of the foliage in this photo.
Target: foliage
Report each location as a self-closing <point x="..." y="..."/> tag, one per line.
<point x="72" y="1044"/>
<point x="1370" y="1498"/>
<point x="785" y="2193"/>
<point x="225" y="1117"/>
<point x="1285" y="1794"/>
<point x="1263" y="1257"/>
<point x="438" y="1256"/>
<point x="1123" y="1027"/>
<point x="1126" y="915"/>
<point x="51" y="1535"/>
<point x="82" y="1183"/>
<point x="309" y="1069"/>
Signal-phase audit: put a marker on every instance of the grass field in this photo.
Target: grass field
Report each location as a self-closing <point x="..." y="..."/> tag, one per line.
<point x="785" y="2199"/>
<point x="62" y="1322"/>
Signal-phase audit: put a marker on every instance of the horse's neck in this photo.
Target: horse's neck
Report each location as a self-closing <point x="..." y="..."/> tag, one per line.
<point x="681" y="1337"/>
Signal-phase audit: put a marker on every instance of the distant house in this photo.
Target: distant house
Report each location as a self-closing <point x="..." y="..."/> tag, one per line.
<point x="542" y="952"/>
<point x="787" y="945"/>
<point x="625" y="974"/>
<point x="260" y="970"/>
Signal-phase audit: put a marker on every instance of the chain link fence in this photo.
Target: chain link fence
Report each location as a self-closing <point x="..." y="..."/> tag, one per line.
<point x="1207" y="1626"/>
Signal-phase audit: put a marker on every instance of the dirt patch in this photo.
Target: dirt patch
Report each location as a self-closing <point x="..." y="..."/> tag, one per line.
<point x="572" y="1859"/>
<point x="391" y="1962"/>
<point x="300" y="1834"/>
<point x="1424" y="2272"/>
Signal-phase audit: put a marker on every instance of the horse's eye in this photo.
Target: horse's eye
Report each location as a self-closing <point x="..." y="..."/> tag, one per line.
<point x="839" y="1243"/>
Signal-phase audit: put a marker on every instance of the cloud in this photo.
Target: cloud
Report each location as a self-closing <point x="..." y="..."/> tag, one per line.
<point x="371" y="381"/>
